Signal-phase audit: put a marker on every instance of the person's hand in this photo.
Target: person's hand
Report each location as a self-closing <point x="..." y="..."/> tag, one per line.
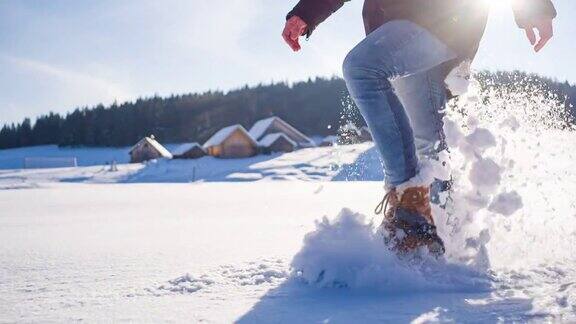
<point x="295" y="27"/>
<point x="545" y="32"/>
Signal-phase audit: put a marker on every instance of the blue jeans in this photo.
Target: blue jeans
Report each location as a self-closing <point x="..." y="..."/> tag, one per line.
<point x="395" y="77"/>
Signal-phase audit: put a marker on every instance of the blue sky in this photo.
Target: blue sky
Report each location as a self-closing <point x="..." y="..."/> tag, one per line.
<point x="60" y="54"/>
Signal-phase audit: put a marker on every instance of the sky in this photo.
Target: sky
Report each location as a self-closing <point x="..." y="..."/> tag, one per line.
<point x="61" y="54"/>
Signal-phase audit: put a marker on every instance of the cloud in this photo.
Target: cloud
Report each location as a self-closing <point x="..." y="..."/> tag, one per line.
<point x="88" y="83"/>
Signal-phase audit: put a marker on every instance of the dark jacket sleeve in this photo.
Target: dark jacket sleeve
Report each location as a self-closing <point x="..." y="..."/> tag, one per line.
<point x="527" y="12"/>
<point x="314" y="12"/>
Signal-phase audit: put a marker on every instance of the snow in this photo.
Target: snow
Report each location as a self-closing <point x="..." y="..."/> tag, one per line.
<point x="186" y="252"/>
<point x="347" y="252"/>
<point x="431" y="317"/>
<point x="14" y="158"/>
<point x="283" y="238"/>
<point x="223" y="134"/>
<point x="458" y="80"/>
<point x="312" y="164"/>
<point x="330" y="139"/>
<point x="183" y="148"/>
<point x="427" y="172"/>
<point x="50" y="163"/>
<point x="485" y="173"/>
<point x="506" y="203"/>
<point x="271" y="138"/>
<point x="481" y="138"/>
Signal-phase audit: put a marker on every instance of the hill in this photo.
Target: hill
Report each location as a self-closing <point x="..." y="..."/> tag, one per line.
<point x="316" y="107"/>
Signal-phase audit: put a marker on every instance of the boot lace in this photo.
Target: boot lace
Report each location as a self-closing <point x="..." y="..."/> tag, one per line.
<point x="382" y="207"/>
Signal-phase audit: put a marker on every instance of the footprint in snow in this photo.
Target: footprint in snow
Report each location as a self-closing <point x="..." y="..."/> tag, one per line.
<point x="251" y="274"/>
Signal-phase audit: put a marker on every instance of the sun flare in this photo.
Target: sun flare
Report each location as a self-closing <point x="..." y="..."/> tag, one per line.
<point x="496" y="3"/>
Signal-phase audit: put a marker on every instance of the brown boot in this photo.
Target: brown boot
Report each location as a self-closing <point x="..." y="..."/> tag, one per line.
<point x="408" y="221"/>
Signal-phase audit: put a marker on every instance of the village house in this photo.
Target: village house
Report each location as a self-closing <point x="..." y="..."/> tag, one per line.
<point x="231" y="142"/>
<point x="148" y="149"/>
<point x="189" y="151"/>
<point x="277" y="142"/>
<point x="275" y="125"/>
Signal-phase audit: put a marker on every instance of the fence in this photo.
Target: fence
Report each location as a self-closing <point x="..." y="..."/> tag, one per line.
<point x="49" y="162"/>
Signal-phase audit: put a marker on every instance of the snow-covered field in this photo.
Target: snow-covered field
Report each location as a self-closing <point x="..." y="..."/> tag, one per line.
<point x="284" y="238"/>
<point x="354" y="162"/>
<point x="14" y="158"/>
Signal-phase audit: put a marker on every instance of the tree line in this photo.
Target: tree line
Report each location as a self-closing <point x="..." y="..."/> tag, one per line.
<point x="316" y="107"/>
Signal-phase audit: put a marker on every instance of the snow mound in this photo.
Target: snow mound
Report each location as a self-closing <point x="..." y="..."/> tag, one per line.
<point x="257" y="273"/>
<point x="349" y="252"/>
<point x="481" y="138"/>
<point x="485" y="174"/>
<point x="434" y="316"/>
<point x="186" y="284"/>
<point x="264" y="272"/>
<point x="506" y="203"/>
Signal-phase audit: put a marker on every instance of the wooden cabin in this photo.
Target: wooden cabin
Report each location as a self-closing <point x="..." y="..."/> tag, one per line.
<point x="277" y="142"/>
<point x="148" y="149"/>
<point x="231" y="142"/>
<point x="275" y="125"/>
<point x="189" y="151"/>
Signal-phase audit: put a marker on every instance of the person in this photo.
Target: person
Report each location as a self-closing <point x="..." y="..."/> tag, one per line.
<point x="396" y="76"/>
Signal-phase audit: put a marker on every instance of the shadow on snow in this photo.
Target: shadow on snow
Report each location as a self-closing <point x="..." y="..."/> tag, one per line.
<point x="297" y="302"/>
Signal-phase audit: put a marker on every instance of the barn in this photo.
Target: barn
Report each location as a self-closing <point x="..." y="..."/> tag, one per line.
<point x="231" y="142"/>
<point x="275" y="125"/>
<point x="277" y="142"/>
<point x="188" y="151"/>
<point x="148" y="149"/>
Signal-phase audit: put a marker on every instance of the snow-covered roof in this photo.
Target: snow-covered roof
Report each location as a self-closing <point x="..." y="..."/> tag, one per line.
<point x="261" y="126"/>
<point x="183" y="148"/>
<point x="223" y="134"/>
<point x="157" y="146"/>
<point x="271" y="138"/>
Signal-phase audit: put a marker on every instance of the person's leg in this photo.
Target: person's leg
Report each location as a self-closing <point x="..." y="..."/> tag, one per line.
<point x="424" y="96"/>
<point x="397" y="49"/>
<point x="425" y="109"/>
